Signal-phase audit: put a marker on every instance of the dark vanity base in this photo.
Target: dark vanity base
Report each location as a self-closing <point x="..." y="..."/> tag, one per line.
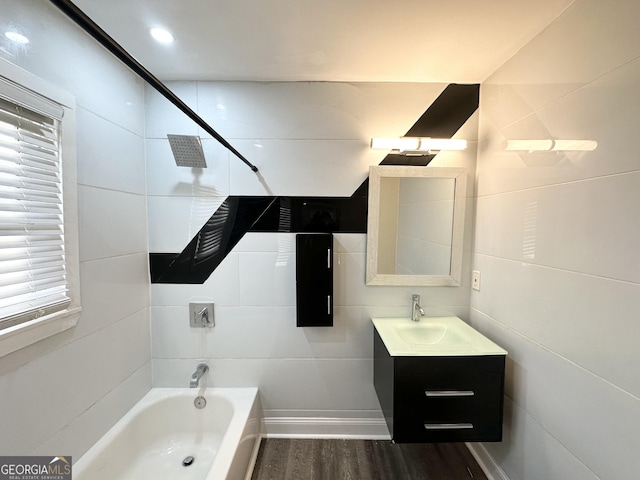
<point x="440" y="399"/>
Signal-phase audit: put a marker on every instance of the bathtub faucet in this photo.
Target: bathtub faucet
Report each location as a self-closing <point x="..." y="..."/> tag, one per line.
<point x="197" y="375"/>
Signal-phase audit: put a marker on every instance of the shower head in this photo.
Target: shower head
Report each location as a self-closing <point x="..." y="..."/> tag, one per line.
<point x="187" y="151"/>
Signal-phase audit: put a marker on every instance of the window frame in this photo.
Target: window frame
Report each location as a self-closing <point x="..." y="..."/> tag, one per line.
<point x="27" y="333"/>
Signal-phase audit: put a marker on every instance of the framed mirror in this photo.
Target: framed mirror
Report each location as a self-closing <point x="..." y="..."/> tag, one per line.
<point x="415" y="225"/>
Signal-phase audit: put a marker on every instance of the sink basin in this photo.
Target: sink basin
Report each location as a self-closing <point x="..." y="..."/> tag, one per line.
<point x="427" y="334"/>
<point x="433" y="336"/>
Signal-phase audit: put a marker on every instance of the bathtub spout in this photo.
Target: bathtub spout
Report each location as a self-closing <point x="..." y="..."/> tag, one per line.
<point x="197" y="375"/>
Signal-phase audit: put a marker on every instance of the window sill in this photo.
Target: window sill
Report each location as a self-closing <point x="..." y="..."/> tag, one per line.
<point x="25" y="334"/>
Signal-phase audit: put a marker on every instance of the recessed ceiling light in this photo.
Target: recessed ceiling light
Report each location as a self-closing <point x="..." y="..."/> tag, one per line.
<point x="161" y="35"/>
<point x="16" y="37"/>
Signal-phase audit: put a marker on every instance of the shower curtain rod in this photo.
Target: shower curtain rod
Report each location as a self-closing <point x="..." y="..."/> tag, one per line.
<point x="89" y="26"/>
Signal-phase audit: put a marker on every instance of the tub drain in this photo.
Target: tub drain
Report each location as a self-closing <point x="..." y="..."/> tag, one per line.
<point x="200" y="401"/>
<point x="187" y="461"/>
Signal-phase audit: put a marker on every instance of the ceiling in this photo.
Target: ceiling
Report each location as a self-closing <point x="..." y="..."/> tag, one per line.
<point x="461" y="41"/>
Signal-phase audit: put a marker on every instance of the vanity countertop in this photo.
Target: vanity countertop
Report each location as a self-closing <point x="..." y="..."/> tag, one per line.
<point x="433" y="336"/>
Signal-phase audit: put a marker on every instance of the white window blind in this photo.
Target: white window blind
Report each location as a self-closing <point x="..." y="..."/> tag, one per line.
<point x="33" y="279"/>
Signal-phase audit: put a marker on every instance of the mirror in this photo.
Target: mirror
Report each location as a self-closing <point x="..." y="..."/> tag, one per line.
<point x="415" y="225"/>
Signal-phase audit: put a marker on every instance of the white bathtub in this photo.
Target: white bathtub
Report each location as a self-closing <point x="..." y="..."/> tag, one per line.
<point x="164" y="427"/>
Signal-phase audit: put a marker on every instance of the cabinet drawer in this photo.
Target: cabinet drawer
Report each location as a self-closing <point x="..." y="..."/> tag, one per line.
<point x="475" y="398"/>
<point x="415" y="430"/>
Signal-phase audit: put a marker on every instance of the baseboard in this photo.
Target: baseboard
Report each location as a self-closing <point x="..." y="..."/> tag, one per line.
<point x="487" y="463"/>
<point x="326" y="427"/>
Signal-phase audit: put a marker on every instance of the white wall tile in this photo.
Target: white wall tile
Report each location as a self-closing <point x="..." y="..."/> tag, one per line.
<point x="267" y="278"/>
<point x="581" y="317"/>
<point x="112" y="289"/>
<point x="594" y="218"/>
<point x="574" y="405"/>
<point x="589" y="40"/>
<point x="260" y="332"/>
<point x="64" y="55"/>
<point x="302" y="167"/>
<point x="294" y="384"/>
<point x="86" y="429"/>
<point x="97" y="362"/>
<point x="162" y="117"/>
<point x="165" y="178"/>
<point x="48" y="388"/>
<point x="308" y="140"/>
<point x="603" y="110"/>
<point x="222" y="287"/>
<point x="313" y="110"/>
<point x="540" y="455"/>
<point x="350" y="289"/>
<point x="109" y="156"/>
<point x="110" y="223"/>
<point x="174" y="221"/>
<point x="555" y="238"/>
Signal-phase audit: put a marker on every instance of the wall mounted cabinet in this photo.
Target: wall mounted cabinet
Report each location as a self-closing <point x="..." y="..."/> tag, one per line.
<point x="440" y="398"/>
<point x="314" y="280"/>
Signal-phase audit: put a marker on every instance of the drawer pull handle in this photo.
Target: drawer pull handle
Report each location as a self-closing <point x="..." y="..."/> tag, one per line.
<point x="448" y="426"/>
<point x="449" y="393"/>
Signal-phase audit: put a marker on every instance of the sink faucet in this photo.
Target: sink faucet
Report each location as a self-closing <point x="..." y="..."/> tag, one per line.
<point x="416" y="308"/>
<point x="197" y="375"/>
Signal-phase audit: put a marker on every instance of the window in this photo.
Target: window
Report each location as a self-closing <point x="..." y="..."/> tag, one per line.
<point x="38" y="219"/>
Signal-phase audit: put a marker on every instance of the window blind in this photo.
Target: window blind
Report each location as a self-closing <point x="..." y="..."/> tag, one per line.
<point x="33" y="280"/>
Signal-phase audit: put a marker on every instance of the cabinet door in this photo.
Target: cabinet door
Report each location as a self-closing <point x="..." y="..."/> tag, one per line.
<point x="314" y="280"/>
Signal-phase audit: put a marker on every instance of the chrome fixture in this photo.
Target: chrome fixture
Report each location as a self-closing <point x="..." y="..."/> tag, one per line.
<point x="197" y="375"/>
<point x="201" y="315"/>
<point x="416" y="308"/>
<point x="187" y="150"/>
<point x="200" y="402"/>
<point x="418" y="145"/>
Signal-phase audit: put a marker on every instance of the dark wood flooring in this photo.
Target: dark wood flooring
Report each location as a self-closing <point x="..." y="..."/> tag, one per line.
<point x="334" y="459"/>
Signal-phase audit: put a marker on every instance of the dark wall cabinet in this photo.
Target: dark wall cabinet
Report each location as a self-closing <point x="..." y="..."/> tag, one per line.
<point x="314" y="280"/>
<point x="440" y="399"/>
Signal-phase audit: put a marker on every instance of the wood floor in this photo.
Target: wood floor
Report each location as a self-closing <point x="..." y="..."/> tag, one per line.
<point x="323" y="459"/>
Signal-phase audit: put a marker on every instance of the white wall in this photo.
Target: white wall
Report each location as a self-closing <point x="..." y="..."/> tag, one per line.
<point x="313" y="140"/>
<point x="556" y="240"/>
<point x="57" y="397"/>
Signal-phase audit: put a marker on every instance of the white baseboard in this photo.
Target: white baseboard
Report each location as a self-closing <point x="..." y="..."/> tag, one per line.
<point x="326" y="427"/>
<point x="487" y="463"/>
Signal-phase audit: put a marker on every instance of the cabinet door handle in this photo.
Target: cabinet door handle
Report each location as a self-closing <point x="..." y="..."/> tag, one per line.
<point x="328" y="258"/>
<point x="449" y="393"/>
<point x="328" y="304"/>
<point x="448" y="426"/>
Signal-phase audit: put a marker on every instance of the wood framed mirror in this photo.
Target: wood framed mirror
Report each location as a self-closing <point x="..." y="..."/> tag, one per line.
<point x="415" y="225"/>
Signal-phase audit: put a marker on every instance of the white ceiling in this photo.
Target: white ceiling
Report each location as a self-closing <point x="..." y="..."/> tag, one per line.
<point x="460" y="41"/>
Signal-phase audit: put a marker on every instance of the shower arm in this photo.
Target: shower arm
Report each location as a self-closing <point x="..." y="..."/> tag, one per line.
<point x="89" y="26"/>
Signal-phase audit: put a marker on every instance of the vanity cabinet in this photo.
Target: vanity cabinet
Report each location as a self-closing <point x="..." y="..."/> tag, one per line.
<point x="440" y="398"/>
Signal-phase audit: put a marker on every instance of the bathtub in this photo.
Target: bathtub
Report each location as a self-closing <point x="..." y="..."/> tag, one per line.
<point x="164" y="428"/>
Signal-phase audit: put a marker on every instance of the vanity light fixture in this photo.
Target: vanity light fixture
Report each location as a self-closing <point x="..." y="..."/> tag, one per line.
<point x="418" y="145"/>
<point x="550" y="145"/>
<point x="161" y="35"/>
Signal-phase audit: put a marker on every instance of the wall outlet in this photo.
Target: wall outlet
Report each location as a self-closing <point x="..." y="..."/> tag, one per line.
<point x="475" y="280"/>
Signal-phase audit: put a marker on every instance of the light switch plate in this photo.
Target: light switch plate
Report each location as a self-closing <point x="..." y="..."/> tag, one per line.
<point x="201" y="315"/>
<point x="475" y="280"/>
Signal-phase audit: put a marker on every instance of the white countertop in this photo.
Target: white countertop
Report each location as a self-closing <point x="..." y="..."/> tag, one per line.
<point x="433" y="336"/>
